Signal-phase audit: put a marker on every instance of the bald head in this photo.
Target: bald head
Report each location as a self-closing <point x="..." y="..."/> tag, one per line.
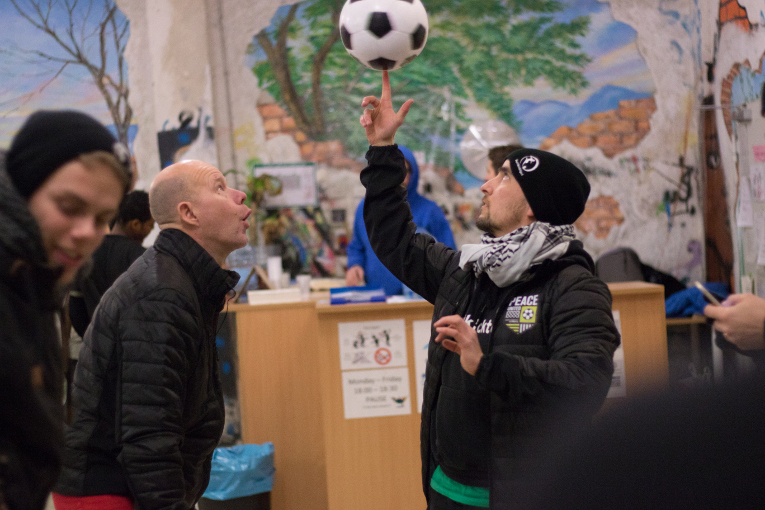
<point x="179" y="182"/>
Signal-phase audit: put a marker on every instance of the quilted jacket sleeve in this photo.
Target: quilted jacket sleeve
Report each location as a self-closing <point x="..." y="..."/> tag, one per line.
<point x="156" y="360"/>
<point x="416" y="259"/>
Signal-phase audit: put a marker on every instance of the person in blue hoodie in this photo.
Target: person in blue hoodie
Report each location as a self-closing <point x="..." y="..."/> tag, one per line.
<point x="363" y="264"/>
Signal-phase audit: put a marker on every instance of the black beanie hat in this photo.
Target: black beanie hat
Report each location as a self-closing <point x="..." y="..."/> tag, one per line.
<point x="555" y="189"/>
<point x="49" y="139"/>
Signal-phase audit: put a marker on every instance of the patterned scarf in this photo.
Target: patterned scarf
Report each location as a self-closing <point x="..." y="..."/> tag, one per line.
<point x="506" y="258"/>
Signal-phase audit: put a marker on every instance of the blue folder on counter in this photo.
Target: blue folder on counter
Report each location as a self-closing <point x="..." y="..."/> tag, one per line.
<point x="345" y="295"/>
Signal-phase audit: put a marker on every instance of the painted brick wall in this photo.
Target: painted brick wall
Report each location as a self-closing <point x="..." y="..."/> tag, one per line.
<point x="277" y="122"/>
<point x="612" y="131"/>
<point x="726" y="90"/>
<point x="600" y="215"/>
<point x="732" y="12"/>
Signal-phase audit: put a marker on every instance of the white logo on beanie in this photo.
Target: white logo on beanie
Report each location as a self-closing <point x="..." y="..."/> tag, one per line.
<point x="527" y="164"/>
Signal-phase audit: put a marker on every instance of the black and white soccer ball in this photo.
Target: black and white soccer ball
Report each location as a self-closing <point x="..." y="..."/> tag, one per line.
<point x="384" y="34"/>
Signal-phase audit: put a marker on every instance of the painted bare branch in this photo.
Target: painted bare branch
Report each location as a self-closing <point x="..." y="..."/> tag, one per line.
<point x="72" y="40"/>
<point x="278" y="59"/>
<point x="317" y="67"/>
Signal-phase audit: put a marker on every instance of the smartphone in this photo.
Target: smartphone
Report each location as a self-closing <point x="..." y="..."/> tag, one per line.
<point x="708" y="296"/>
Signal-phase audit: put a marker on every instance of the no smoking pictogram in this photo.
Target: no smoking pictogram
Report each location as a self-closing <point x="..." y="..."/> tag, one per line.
<point x="382" y="356"/>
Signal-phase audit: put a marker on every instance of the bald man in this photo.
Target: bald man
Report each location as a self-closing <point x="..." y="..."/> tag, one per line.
<point x="148" y="408"/>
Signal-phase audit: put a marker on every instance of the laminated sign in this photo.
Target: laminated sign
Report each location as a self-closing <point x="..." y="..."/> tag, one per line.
<point x="383" y="392"/>
<point x="373" y="361"/>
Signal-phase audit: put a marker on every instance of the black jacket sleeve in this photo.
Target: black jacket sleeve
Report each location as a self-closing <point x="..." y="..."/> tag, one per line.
<point x="418" y="260"/>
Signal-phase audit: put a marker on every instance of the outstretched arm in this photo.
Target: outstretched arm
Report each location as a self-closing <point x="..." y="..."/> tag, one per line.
<point x="415" y="259"/>
<point x="381" y="122"/>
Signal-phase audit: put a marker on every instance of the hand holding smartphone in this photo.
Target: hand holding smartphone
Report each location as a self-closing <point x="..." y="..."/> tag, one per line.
<point x="708" y="296"/>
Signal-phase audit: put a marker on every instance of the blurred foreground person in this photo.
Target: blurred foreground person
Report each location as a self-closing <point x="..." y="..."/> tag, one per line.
<point x="148" y="405"/>
<point x="62" y="181"/>
<point x="697" y="449"/>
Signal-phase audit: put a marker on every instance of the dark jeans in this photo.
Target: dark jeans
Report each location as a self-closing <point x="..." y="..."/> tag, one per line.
<point x="440" y="502"/>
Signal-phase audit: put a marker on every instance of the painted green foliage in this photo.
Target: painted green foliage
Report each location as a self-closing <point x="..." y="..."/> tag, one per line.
<point x="476" y="50"/>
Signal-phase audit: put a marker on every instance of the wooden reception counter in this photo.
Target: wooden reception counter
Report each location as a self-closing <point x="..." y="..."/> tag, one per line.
<point x="291" y="393"/>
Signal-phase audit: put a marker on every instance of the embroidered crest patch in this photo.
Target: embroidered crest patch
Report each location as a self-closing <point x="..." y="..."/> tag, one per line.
<point x="521" y="313"/>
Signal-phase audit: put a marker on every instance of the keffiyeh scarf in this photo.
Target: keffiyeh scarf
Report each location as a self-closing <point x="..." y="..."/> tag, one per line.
<point x="505" y="258"/>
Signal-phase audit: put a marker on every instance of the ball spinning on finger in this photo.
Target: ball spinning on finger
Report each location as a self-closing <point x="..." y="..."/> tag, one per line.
<point x="384" y="34"/>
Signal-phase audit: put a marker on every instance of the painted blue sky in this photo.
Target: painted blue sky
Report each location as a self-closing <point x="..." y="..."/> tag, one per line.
<point x="612" y="47"/>
<point x="25" y="79"/>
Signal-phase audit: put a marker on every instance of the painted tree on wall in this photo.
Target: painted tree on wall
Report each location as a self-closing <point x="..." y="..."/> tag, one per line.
<point x="93" y="34"/>
<point x="476" y="50"/>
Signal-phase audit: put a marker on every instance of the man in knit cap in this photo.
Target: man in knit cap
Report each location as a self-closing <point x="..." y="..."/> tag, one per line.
<point x="61" y="183"/>
<point x="522" y="329"/>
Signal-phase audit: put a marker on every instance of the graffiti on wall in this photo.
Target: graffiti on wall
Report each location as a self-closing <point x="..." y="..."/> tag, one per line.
<point x="183" y="140"/>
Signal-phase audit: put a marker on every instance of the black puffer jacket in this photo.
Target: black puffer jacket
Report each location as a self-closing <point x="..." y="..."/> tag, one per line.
<point x="31" y="376"/>
<point x="148" y="402"/>
<point x="557" y="354"/>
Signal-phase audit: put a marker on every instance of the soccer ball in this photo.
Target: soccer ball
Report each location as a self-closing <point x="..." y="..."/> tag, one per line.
<point x="384" y="34"/>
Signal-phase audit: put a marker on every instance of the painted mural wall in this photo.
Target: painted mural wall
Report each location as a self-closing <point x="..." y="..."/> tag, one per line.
<point x="614" y="86"/>
<point x="619" y="99"/>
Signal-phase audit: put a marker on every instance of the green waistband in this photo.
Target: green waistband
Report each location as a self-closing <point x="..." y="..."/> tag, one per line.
<point x="465" y="494"/>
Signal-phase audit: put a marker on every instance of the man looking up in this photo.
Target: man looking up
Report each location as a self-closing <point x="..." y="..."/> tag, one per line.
<point x="148" y="407"/>
<point x="522" y="329"/>
<point x="60" y="184"/>
<point x="118" y="250"/>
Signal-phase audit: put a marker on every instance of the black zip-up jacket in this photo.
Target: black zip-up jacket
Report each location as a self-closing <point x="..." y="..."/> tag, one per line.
<point x="549" y="349"/>
<point x="148" y="405"/>
<point x="31" y="374"/>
